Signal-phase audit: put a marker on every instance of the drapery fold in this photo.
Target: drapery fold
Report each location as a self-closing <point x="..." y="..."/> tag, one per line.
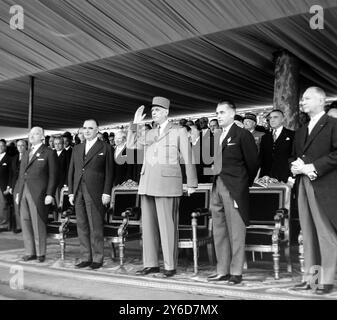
<point x="106" y="58"/>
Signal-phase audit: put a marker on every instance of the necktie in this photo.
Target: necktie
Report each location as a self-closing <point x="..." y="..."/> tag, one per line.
<point x="223" y="136"/>
<point x="274" y="136"/>
<point x="31" y="153"/>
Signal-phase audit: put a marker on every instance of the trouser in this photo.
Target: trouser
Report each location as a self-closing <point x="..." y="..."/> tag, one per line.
<point x="160" y="224"/>
<point x="89" y="220"/>
<point x="34" y="230"/>
<point x="229" y="231"/>
<point x="319" y="236"/>
<point x="4" y="210"/>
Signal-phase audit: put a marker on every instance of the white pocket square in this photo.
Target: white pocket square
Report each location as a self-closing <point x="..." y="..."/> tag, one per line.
<point x="4" y="164"/>
<point x="40" y="159"/>
<point x="101" y="154"/>
<point x="231" y="144"/>
<point x="287" y="139"/>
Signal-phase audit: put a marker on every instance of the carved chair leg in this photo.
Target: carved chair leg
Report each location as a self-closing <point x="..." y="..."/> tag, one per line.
<point x="276" y="253"/>
<point x="63" y="248"/>
<point x="301" y="253"/>
<point x="121" y="251"/>
<point x="245" y="264"/>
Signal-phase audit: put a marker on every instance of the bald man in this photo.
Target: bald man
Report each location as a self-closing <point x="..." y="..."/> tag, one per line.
<point x="35" y="190"/>
<point x="314" y="163"/>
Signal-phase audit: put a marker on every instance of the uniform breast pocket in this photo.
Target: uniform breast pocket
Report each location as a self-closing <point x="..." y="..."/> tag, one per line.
<point x="171" y="172"/>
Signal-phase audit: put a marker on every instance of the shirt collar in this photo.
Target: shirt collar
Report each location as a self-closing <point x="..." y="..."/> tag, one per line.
<point x="226" y="129"/>
<point x="36" y="147"/>
<point x="92" y="142"/>
<point x="278" y="131"/>
<point x="317" y="117"/>
<point x="163" y="126"/>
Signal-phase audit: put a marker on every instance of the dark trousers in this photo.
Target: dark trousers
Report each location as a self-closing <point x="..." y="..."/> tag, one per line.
<point x="4" y="211"/>
<point x="34" y="230"/>
<point x="89" y="226"/>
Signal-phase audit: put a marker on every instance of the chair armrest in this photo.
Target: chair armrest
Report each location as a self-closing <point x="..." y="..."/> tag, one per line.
<point x="281" y="215"/>
<point x="131" y="212"/>
<point x="200" y="212"/>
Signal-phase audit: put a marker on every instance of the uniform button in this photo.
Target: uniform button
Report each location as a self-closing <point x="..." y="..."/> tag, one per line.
<point x="303" y="156"/>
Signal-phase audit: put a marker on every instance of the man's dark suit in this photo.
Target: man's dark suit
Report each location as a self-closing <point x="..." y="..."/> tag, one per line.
<point x="68" y="154"/>
<point x="274" y="156"/>
<point x="122" y="170"/>
<point x="62" y="169"/>
<point x="235" y="167"/>
<point x="5" y="166"/>
<point x="317" y="200"/>
<point x="37" y="179"/>
<point x="89" y="177"/>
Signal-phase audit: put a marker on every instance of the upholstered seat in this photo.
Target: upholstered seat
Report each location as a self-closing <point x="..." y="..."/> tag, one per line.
<point x="269" y="230"/>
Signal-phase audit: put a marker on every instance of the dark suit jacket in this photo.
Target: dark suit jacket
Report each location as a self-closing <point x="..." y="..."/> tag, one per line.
<point x="237" y="162"/>
<point x="62" y="169"/>
<point x="40" y="175"/>
<point x="15" y="169"/>
<point x="68" y="155"/>
<point x="274" y="156"/>
<point x="320" y="148"/>
<point x="122" y="170"/>
<point x="5" y="167"/>
<point x="95" y="168"/>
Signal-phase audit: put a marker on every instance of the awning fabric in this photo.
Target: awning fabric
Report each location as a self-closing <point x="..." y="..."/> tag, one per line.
<point x="103" y="59"/>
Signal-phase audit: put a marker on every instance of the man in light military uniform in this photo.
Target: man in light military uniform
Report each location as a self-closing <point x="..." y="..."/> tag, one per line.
<point x="161" y="184"/>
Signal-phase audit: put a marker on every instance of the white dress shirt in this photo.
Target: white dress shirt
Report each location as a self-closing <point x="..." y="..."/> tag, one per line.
<point x="277" y="132"/>
<point x="35" y="148"/>
<point x="2" y="155"/>
<point x="225" y="132"/>
<point x="162" y="127"/>
<point x="314" y="120"/>
<point x="89" y="144"/>
<point x="59" y="153"/>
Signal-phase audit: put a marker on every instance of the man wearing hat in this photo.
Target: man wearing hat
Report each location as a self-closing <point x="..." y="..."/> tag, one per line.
<point x="250" y="122"/>
<point x="161" y="184"/>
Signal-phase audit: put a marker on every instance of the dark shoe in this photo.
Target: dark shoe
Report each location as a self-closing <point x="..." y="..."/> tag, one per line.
<point x="218" y="277"/>
<point x="301" y="286"/>
<point x="235" y="279"/>
<point x="147" y="270"/>
<point x="17" y="231"/>
<point x="324" y="289"/>
<point x="83" y="264"/>
<point x="169" y="273"/>
<point x="41" y="258"/>
<point x="96" y="265"/>
<point x="29" y="258"/>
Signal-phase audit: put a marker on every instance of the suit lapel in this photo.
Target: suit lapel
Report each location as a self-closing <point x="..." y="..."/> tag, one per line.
<point x="93" y="151"/>
<point x="35" y="156"/>
<point x="315" y="131"/>
<point x="230" y="135"/>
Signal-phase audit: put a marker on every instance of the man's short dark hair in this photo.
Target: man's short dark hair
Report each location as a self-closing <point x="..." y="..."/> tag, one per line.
<point x="230" y="103"/>
<point x="216" y="120"/>
<point x="4" y="141"/>
<point x="276" y="110"/>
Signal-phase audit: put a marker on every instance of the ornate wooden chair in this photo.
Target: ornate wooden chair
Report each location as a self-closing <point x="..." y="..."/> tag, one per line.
<point x="195" y="223"/>
<point x="123" y="218"/>
<point x="62" y="221"/>
<point x="269" y="230"/>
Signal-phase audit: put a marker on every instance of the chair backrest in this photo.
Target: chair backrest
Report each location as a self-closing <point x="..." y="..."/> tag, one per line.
<point x="265" y="201"/>
<point x="123" y="197"/>
<point x="198" y="200"/>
